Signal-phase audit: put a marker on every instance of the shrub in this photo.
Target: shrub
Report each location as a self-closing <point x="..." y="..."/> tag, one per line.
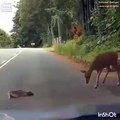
<point x="88" y="49"/>
<point x="46" y="45"/>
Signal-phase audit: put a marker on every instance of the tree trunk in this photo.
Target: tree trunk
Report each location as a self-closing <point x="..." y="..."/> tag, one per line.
<point x="52" y="33"/>
<point x="99" y="32"/>
<point x="87" y="6"/>
<point x="59" y="29"/>
<point x="49" y="41"/>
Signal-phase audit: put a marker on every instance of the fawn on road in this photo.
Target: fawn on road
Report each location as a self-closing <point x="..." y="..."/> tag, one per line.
<point x="105" y="60"/>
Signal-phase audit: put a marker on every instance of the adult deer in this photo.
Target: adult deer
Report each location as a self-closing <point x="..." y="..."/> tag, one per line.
<point x="105" y="60"/>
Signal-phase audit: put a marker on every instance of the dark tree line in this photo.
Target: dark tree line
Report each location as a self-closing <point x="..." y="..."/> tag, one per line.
<point x="45" y="20"/>
<point x="42" y="21"/>
<point x="87" y="8"/>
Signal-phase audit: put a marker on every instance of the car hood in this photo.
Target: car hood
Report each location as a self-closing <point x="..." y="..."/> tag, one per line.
<point x="67" y="112"/>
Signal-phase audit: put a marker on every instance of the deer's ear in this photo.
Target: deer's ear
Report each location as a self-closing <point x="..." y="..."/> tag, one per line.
<point x="83" y="71"/>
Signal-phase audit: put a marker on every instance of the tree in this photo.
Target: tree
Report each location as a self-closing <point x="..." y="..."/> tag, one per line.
<point x="5" y="39"/>
<point x="32" y="20"/>
<point x="87" y="9"/>
<point x="56" y="20"/>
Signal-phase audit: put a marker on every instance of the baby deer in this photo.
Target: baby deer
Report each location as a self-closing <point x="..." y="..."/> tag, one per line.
<point x="105" y="60"/>
<point x="19" y="93"/>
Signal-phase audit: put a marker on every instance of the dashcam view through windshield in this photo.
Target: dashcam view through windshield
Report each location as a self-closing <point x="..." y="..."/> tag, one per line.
<point x="59" y="59"/>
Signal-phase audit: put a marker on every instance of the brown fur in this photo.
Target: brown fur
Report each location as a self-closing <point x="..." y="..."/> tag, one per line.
<point x="105" y="60"/>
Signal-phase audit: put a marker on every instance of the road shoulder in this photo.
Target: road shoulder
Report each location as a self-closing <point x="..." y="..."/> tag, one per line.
<point x="76" y="65"/>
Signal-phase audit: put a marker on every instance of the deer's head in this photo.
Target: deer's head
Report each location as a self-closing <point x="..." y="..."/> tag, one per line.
<point x="86" y="75"/>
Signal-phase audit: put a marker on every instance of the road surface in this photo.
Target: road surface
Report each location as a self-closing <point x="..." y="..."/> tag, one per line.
<point x="60" y="91"/>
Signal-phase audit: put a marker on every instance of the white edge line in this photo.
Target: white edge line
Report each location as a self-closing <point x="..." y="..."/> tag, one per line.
<point x="3" y="61"/>
<point x="10" y="60"/>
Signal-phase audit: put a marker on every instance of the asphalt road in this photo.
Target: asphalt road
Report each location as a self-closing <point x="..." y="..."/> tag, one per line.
<point x="60" y="91"/>
<point x="6" y="54"/>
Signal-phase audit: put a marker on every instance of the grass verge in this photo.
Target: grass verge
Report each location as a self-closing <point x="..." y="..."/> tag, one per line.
<point x="86" y="49"/>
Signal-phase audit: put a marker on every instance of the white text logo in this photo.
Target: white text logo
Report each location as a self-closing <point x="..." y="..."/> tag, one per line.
<point x="105" y="114"/>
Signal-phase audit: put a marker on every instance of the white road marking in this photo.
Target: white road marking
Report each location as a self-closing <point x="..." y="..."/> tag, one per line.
<point x="3" y="61"/>
<point x="4" y="116"/>
<point x="7" y="61"/>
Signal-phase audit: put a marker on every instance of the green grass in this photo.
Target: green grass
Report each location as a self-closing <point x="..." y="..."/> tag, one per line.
<point x="50" y="49"/>
<point x="87" y="50"/>
<point x="46" y="45"/>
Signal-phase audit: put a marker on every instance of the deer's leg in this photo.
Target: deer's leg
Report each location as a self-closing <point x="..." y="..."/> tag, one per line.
<point x="118" y="84"/>
<point x="106" y="76"/>
<point x="97" y="80"/>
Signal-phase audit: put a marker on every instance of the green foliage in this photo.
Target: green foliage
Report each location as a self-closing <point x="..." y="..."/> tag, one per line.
<point x="106" y="21"/>
<point x="46" y="45"/>
<point x="48" y="19"/>
<point x="5" y="39"/>
<point x="31" y="21"/>
<point x="89" y="48"/>
<point x="34" y="16"/>
<point x="68" y="49"/>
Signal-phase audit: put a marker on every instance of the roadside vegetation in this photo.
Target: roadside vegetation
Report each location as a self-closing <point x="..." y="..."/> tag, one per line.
<point x="5" y="40"/>
<point x="106" y="23"/>
<point x="48" y="23"/>
<point x="88" y="48"/>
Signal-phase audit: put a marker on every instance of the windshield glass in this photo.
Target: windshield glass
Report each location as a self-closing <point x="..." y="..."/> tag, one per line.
<point x="59" y="59"/>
